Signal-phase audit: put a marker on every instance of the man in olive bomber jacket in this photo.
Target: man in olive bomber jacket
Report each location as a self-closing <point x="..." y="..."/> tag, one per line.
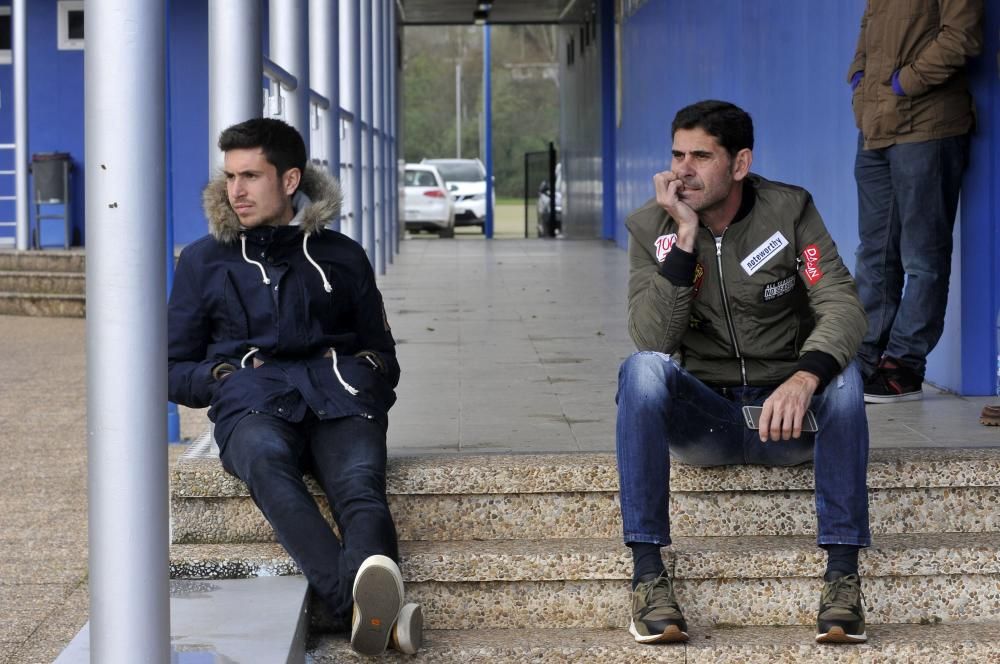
<point x="738" y="297"/>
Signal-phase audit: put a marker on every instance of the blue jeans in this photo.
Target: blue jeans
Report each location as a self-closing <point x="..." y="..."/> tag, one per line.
<point x="907" y="199"/>
<point x="663" y="412"/>
<point x="347" y="456"/>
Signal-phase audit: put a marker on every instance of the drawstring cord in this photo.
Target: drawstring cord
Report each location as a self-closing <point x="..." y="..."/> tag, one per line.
<point x="326" y="284"/>
<point x="243" y="244"/>
<point x="243" y="362"/>
<point x="336" y="371"/>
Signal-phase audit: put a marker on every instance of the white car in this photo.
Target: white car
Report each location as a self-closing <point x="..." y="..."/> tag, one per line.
<point x="466" y="180"/>
<point x="427" y="206"/>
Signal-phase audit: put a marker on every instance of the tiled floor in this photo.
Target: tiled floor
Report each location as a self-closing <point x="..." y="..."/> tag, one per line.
<point x="509" y="346"/>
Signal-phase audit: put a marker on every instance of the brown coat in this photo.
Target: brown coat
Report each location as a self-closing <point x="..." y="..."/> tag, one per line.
<point x="928" y="41"/>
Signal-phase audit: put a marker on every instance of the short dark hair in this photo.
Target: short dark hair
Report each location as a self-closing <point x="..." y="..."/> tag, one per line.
<point x="728" y="123"/>
<point x="281" y="143"/>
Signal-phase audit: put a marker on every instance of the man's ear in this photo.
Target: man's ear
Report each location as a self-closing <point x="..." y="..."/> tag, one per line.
<point x="290" y="180"/>
<point x="741" y="163"/>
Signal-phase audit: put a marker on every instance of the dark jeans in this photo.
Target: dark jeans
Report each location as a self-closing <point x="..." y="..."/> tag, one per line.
<point x="347" y="456"/>
<point x="907" y="198"/>
<point x="664" y="411"/>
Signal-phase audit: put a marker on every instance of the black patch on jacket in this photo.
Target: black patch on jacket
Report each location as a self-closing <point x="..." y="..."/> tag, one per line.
<point x="776" y="289"/>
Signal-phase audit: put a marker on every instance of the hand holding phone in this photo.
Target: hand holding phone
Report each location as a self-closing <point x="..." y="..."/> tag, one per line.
<point x="751" y="415"/>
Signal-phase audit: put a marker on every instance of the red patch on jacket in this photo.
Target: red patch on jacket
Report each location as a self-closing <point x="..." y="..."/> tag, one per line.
<point x="699" y="276"/>
<point x="812" y="272"/>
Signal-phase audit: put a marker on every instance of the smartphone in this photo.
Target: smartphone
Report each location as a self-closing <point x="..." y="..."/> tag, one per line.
<point x="751" y="414"/>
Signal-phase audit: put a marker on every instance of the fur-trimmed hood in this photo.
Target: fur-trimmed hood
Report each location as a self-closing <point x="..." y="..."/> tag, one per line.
<point x="317" y="202"/>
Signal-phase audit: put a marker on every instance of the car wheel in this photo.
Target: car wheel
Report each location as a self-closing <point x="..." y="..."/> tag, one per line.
<point x="447" y="232"/>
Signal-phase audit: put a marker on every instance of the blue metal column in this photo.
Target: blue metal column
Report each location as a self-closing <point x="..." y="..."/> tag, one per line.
<point x="394" y="124"/>
<point x="357" y="195"/>
<point x="608" y="153"/>
<point x="368" y="223"/>
<point x="324" y="73"/>
<point x="488" y="130"/>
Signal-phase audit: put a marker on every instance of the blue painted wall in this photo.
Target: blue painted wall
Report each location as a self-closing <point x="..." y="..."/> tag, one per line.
<point x="785" y="62"/>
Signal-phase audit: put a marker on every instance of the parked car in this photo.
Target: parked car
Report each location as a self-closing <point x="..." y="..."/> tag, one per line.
<point x="466" y="180"/>
<point x="544" y="206"/>
<point x="427" y="205"/>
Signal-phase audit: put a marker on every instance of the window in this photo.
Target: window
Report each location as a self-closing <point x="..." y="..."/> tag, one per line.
<point x="70" y="28"/>
<point x="5" y="36"/>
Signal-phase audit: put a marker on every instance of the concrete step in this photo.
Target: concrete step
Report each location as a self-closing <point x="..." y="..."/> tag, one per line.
<point x="913" y="644"/>
<point x="52" y="283"/>
<point x="537" y="496"/>
<point x="41" y="304"/>
<point x="517" y="584"/>
<point x="73" y="260"/>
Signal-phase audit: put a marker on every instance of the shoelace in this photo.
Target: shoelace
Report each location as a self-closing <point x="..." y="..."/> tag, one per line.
<point x="840" y="592"/>
<point x="660" y="592"/>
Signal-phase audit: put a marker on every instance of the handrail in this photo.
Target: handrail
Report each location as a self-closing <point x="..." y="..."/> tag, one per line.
<point x="274" y="72"/>
<point x="319" y="100"/>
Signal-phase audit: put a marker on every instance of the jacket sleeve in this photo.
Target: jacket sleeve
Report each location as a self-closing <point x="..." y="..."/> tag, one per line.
<point x="374" y="334"/>
<point x="833" y="299"/>
<point x="960" y="37"/>
<point x="860" y="55"/>
<point x="658" y="310"/>
<point x="189" y="371"/>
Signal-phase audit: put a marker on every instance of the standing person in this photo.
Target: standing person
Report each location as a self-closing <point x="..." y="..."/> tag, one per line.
<point x="912" y="104"/>
<point x="737" y="297"/>
<point x="275" y="322"/>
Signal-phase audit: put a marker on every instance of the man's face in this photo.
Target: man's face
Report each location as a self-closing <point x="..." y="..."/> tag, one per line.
<point x="704" y="167"/>
<point x="258" y="196"/>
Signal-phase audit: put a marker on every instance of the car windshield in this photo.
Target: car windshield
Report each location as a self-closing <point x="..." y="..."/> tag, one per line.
<point x="419" y="179"/>
<point x="460" y="172"/>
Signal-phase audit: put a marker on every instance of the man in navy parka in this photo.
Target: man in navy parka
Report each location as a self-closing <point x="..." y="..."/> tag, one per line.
<point x="277" y="325"/>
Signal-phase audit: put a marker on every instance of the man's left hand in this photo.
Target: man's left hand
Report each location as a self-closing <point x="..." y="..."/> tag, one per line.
<point x="783" y="411"/>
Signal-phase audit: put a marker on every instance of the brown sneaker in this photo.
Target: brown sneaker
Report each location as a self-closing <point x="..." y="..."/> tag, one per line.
<point x="990" y="416"/>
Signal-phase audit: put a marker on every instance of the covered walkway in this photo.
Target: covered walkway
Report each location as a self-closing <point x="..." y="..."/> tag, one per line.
<point x="506" y="347"/>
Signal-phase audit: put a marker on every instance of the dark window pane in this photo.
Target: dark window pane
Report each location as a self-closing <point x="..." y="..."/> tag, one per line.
<point x="5" y="32"/>
<point x="74" y="18"/>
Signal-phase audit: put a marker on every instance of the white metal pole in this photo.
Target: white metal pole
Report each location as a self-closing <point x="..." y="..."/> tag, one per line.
<point x="124" y="74"/>
<point x="19" y="35"/>
<point x="385" y="109"/>
<point x="396" y="140"/>
<point x="324" y="72"/>
<point x="368" y="226"/>
<point x="235" y="91"/>
<point x="357" y="172"/>
<point x="378" y="120"/>
<point x="458" y="109"/>
<point x="289" y="49"/>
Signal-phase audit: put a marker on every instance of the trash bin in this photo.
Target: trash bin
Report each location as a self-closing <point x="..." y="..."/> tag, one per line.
<point x="50" y="171"/>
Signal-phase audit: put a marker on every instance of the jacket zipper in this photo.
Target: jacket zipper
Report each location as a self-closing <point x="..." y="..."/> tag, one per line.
<point x="725" y="305"/>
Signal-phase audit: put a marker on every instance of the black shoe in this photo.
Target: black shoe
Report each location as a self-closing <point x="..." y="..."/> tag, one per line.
<point x="841" y="616"/>
<point x="656" y="617"/>
<point x="893" y="382"/>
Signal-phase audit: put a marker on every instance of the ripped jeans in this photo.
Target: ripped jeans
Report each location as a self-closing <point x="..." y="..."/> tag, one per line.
<point x="664" y="412"/>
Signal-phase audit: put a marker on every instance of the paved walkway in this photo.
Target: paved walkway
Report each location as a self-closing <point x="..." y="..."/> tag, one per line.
<point x="509" y="346"/>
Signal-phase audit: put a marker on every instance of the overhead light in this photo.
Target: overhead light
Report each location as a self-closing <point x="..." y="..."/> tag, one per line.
<point x="480" y="16"/>
<point x="485" y="6"/>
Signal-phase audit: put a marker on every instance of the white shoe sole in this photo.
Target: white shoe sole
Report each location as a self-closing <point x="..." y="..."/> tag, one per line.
<point x="895" y="398"/>
<point x="409" y="631"/>
<point x="838" y="635"/>
<point x="672" y="634"/>
<point x="378" y="597"/>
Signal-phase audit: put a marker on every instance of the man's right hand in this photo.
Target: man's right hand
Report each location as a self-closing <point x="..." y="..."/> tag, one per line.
<point x="668" y="187"/>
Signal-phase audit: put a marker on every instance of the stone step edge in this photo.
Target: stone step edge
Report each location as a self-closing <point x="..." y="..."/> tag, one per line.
<point x="200" y="475"/>
<point x="914" y="644"/>
<point x="52" y="274"/>
<point x="41" y="296"/>
<point x="603" y="559"/>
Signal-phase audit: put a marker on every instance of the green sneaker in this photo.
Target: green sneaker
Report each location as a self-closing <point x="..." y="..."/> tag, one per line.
<point x="841" y="615"/>
<point x="656" y="617"/>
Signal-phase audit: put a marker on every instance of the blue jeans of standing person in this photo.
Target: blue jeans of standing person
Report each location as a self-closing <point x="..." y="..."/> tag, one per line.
<point x="664" y="412"/>
<point x="347" y="456"/>
<point x="907" y="199"/>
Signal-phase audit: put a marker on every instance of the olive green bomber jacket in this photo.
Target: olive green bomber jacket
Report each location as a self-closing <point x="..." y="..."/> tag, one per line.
<point x="771" y="298"/>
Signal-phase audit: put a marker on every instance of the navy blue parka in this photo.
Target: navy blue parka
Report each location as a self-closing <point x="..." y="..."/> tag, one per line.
<point x="299" y="299"/>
